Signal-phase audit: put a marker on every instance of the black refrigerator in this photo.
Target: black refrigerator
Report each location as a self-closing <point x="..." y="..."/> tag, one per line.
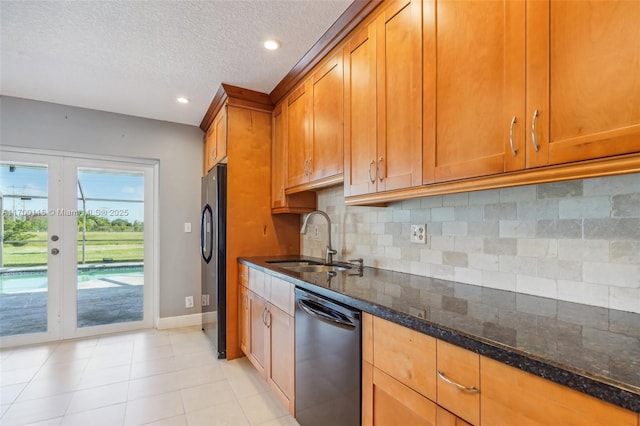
<point x="213" y="239"/>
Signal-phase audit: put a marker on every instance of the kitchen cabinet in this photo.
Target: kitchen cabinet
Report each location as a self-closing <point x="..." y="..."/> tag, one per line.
<point x="215" y="145"/>
<point x="383" y="102"/>
<point x="302" y="202"/>
<point x="470" y="389"/>
<point x="511" y="396"/>
<point x="579" y="100"/>
<point x="298" y="122"/>
<point x="474" y="70"/>
<point x="314" y="117"/>
<point x="270" y="337"/>
<point x="583" y="91"/>
<point x="244" y="318"/>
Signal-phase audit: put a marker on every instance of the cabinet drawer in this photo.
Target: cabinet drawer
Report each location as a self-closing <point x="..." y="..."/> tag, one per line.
<point x="243" y="274"/>
<point x="457" y="368"/>
<point x="407" y="355"/>
<point x="257" y="282"/>
<point x="281" y="295"/>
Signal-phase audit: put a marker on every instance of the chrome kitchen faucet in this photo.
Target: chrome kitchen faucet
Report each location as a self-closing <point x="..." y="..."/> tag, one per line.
<point x="303" y="230"/>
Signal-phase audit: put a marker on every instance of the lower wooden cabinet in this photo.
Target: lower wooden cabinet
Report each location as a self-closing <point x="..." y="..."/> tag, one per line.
<point x="513" y="397"/>
<point x="267" y="332"/>
<point x="471" y="389"/>
<point x="386" y="401"/>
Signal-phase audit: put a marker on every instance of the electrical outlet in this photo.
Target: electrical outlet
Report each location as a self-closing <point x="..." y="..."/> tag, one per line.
<point x="188" y="302"/>
<point x="418" y="234"/>
<point x="205" y="300"/>
<point x="315" y="233"/>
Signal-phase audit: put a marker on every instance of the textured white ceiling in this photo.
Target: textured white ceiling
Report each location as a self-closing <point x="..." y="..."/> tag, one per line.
<point x="135" y="57"/>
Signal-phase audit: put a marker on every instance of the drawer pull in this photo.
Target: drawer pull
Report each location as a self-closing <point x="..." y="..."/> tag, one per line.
<point x="472" y="389"/>
<point x="372" y="179"/>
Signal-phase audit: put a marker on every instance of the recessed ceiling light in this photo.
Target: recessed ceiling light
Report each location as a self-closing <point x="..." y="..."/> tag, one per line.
<point x="182" y="100"/>
<point x="271" y="44"/>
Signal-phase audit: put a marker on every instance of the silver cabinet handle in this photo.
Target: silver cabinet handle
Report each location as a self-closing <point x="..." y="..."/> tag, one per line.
<point x="514" y="120"/>
<point x="379" y="166"/>
<point x="264" y="316"/>
<point x="310" y="166"/>
<point x="268" y="319"/>
<point x="471" y="389"/>
<point x="372" y="179"/>
<point x="536" y="114"/>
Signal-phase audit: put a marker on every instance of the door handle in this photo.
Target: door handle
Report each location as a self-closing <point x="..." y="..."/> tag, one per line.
<point x="54" y="251"/>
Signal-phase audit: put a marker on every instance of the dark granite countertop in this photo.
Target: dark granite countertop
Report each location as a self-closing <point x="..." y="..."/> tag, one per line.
<point x="593" y="350"/>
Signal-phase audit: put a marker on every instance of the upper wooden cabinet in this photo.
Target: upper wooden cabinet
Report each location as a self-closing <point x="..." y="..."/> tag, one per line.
<point x="579" y="100"/>
<point x="314" y="128"/>
<point x="215" y="145"/>
<point x="300" y="202"/>
<point x="474" y="74"/>
<point x="383" y="102"/>
<point x="582" y="79"/>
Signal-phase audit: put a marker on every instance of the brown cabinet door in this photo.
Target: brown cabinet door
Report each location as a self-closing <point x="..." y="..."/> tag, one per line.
<point x="298" y="137"/>
<point x="281" y="353"/>
<point x="220" y="135"/>
<point x="278" y="143"/>
<point x="512" y="397"/>
<point x="209" y="149"/>
<point x="386" y="401"/>
<point x="398" y="161"/>
<point x="474" y="79"/>
<point x="327" y="132"/>
<point x="582" y="79"/>
<point x="360" y="113"/>
<point x="257" y="333"/>
<point x="244" y="318"/>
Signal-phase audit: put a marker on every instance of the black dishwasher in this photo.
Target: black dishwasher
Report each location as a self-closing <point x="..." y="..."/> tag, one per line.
<point x="328" y="362"/>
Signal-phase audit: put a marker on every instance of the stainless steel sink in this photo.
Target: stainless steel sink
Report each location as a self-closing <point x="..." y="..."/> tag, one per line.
<point x="293" y="263"/>
<point x="317" y="268"/>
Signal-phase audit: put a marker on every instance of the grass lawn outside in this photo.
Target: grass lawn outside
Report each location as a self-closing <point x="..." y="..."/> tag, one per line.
<point x="116" y="246"/>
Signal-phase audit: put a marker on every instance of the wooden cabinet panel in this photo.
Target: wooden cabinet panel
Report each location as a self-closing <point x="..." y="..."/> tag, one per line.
<point x="327" y="132"/>
<point x="383" y="102"/>
<point x="474" y="70"/>
<point x="407" y="355"/>
<point x="582" y="68"/>
<point x="278" y="161"/>
<point x="367" y="338"/>
<point x="512" y="397"/>
<point x="257" y="337"/>
<point x="399" y="95"/>
<point x="257" y="282"/>
<point x="389" y="402"/>
<point x="243" y="274"/>
<point x="445" y="418"/>
<point x="220" y="136"/>
<point x="360" y="113"/>
<point x="462" y="367"/>
<point x="244" y="319"/>
<point x="281" y="347"/>
<point x="209" y="154"/>
<point x="297" y="137"/>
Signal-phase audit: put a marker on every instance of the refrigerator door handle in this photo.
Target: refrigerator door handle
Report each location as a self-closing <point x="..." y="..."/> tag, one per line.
<point x="205" y="247"/>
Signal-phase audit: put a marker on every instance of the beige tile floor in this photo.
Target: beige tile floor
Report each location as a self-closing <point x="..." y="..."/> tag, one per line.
<point x="151" y="377"/>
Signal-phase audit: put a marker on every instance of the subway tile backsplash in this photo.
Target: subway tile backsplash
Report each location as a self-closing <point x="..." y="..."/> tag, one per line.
<point x="577" y="241"/>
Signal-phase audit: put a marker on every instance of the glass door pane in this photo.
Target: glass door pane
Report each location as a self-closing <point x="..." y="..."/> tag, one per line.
<point x="110" y="246"/>
<point x="29" y="286"/>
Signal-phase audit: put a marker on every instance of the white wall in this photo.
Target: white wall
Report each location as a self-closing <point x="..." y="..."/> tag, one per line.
<point x="577" y="241"/>
<point x="178" y="148"/>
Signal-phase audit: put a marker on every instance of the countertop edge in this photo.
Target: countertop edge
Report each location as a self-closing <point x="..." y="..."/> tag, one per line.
<point x="598" y="387"/>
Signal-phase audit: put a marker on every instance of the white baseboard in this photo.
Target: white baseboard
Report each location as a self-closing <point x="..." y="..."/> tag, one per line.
<point x="180" y="321"/>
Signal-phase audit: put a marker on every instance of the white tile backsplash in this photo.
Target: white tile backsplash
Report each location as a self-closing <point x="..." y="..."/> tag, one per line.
<point x="576" y="241"/>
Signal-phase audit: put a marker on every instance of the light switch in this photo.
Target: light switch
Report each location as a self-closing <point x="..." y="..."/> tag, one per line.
<point x="187" y="227"/>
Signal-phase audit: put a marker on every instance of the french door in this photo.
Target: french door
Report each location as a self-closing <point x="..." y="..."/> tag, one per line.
<point x="77" y="247"/>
